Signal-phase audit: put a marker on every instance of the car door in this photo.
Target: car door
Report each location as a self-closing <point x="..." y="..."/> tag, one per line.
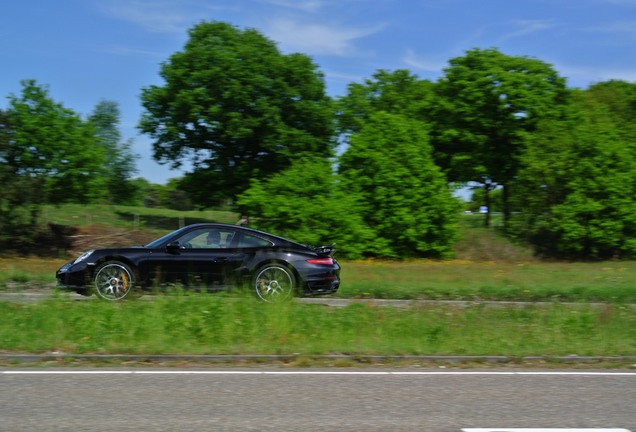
<point x="187" y="260"/>
<point x="171" y="264"/>
<point x="207" y="258"/>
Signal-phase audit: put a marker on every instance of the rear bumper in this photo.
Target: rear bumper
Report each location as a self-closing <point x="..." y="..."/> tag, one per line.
<point x="323" y="285"/>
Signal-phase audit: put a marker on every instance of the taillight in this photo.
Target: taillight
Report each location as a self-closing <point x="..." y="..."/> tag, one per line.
<point x="322" y="261"/>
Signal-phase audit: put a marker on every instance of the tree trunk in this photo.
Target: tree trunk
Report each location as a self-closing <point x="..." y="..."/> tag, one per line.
<point x="487" y="204"/>
<point x="506" y="207"/>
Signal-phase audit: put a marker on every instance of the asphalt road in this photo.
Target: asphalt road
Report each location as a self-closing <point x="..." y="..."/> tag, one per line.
<point x="263" y="399"/>
<point x="33" y="295"/>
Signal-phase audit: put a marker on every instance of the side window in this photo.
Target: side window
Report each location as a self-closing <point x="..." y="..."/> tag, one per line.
<point x="208" y="239"/>
<point x="250" y="241"/>
<point x="219" y="239"/>
<point x="194" y="239"/>
<point x="226" y="238"/>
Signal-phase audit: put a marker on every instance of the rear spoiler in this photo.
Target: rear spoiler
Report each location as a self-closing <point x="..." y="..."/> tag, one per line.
<point x="325" y="250"/>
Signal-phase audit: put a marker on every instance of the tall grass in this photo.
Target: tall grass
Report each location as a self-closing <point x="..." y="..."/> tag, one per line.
<point x="25" y="273"/>
<point x="467" y="280"/>
<point x="217" y="324"/>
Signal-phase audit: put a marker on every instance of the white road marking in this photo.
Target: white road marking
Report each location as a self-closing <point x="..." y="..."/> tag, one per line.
<point x="541" y="430"/>
<point x="349" y="373"/>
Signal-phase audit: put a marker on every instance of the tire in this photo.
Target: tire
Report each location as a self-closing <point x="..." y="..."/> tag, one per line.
<point x="113" y="280"/>
<point x="274" y="283"/>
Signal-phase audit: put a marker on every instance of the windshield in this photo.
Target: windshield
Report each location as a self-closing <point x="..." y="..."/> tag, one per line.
<point x="166" y="238"/>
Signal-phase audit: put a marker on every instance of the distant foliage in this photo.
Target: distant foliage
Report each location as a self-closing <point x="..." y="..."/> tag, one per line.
<point x="119" y="164"/>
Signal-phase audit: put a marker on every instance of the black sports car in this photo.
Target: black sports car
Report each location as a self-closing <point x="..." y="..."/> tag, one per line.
<point x="215" y="256"/>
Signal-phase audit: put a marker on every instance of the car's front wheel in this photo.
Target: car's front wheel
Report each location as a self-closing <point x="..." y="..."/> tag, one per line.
<point x="274" y="283"/>
<point x="113" y="280"/>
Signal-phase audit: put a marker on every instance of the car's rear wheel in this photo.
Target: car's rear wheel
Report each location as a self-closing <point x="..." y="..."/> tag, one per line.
<point x="113" y="281"/>
<point x="274" y="283"/>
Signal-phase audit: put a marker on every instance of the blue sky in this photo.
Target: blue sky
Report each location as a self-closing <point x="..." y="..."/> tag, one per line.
<point x="89" y="50"/>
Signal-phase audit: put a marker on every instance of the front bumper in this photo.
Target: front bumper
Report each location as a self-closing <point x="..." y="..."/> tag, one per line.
<point x="73" y="277"/>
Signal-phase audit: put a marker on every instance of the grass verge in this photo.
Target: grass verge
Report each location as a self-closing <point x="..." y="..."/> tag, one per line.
<point x="218" y="324"/>
<point x="466" y="280"/>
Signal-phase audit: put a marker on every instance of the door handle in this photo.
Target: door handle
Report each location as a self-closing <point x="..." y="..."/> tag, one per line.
<point x="220" y="260"/>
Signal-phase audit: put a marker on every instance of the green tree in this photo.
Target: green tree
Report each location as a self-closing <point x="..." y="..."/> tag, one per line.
<point x="405" y="198"/>
<point x="306" y="203"/>
<point x="141" y="188"/>
<point x="54" y="145"/>
<point x="397" y="92"/>
<point x="119" y="166"/>
<point x="21" y="196"/>
<point x="176" y="198"/>
<point x="488" y="102"/>
<point x="619" y="97"/>
<point x="577" y="186"/>
<point x="237" y="109"/>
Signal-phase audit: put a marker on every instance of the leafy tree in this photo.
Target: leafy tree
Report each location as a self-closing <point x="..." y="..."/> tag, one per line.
<point x="237" y="108"/>
<point x="619" y="98"/>
<point x="169" y="195"/>
<point x="141" y="188"/>
<point x="577" y="185"/>
<point x="398" y="92"/>
<point x="45" y="155"/>
<point x="404" y="101"/>
<point x="52" y="144"/>
<point x="405" y="198"/>
<point x="21" y="196"/>
<point x="305" y="203"/>
<point x="175" y="197"/>
<point x="119" y="166"/>
<point x="488" y="102"/>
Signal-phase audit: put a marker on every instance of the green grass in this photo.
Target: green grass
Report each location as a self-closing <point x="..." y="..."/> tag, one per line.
<point x="217" y="324"/>
<point x="131" y="217"/>
<point x="26" y="273"/>
<point x="466" y="280"/>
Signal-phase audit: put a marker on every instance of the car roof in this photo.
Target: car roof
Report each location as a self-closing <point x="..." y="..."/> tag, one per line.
<point x="241" y="228"/>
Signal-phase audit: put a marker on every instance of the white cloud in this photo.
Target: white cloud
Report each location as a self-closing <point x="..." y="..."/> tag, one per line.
<point x="316" y="39"/>
<point x="342" y="78"/>
<point x="526" y="27"/>
<point x="159" y="16"/>
<point x="412" y="60"/>
<point x="618" y="2"/>
<point x="133" y="52"/>
<point x="303" y="5"/>
<point x="622" y="28"/>
<point x="583" y="76"/>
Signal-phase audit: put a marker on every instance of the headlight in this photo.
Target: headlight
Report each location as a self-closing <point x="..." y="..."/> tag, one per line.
<point x="83" y="256"/>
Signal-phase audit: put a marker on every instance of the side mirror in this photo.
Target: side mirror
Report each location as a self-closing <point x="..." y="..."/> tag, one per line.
<point x="173" y="247"/>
